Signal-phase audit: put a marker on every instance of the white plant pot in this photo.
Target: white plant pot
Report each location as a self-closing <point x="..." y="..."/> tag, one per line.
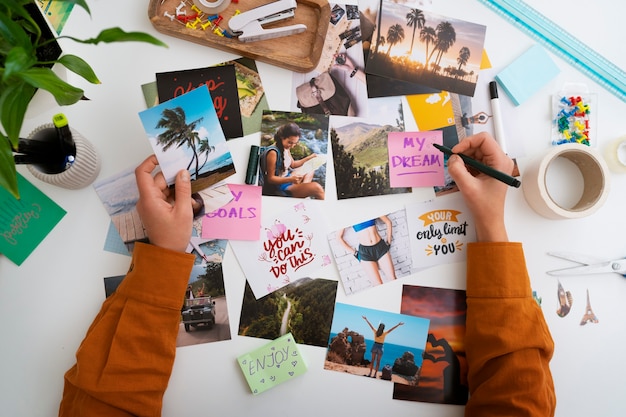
<point x="83" y="171"/>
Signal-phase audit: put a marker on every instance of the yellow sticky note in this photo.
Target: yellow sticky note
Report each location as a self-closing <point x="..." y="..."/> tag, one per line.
<point x="276" y="362"/>
<point x="485" y="63"/>
<point x="431" y="111"/>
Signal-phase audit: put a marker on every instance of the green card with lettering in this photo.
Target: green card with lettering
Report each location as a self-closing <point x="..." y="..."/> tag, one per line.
<point x="271" y="364"/>
<point x="24" y="223"/>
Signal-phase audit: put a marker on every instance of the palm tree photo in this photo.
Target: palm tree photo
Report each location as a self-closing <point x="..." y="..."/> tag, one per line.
<point x="420" y="47"/>
<point x="180" y="133"/>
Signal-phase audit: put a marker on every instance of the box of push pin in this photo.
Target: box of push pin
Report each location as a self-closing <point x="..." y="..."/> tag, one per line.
<point x="573" y="118"/>
<point x="286" y="33"/>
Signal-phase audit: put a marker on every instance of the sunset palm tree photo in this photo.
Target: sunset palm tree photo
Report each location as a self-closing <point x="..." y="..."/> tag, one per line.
<point x="434" y="61"/>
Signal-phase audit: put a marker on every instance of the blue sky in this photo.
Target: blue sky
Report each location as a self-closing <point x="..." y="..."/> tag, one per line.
<point x="197" y="104"/>
<point x="412" y="334"/>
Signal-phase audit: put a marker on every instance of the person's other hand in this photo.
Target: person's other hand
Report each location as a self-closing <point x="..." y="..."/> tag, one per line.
<point x="168" y="221"/>
<point x="484" y="196"/>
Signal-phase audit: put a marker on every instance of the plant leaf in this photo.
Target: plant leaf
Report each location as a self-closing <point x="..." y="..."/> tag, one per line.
<point x="12" y="31"/>
<point x="16" y="61"/>
<point x="8" y="174"/>
<point x="13" y="104"/>
<point x="78" y="66"/>
<point x="44" y="78"/>
<point x="118" y="35"/>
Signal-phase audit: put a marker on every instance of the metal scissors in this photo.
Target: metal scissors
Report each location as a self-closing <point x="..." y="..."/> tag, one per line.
<point x="588" y="265"/>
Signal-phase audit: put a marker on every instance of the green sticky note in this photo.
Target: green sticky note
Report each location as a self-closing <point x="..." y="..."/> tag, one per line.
<point x="271" y="364"/>
<point x="24" y="223"/>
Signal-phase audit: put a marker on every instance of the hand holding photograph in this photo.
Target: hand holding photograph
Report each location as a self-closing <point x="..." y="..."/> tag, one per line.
<point x="185" y="133"/>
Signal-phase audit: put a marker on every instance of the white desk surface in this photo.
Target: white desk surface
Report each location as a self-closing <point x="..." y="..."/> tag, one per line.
<point x="47" y="303"/>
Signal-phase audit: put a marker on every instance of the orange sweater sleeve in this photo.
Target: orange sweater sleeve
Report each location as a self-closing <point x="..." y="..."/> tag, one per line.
<point x="124" y="363"/>
<point x="507" y="341"/>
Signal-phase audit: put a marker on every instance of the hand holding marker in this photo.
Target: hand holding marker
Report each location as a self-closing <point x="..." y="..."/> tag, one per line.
<point x="487" y="170"/>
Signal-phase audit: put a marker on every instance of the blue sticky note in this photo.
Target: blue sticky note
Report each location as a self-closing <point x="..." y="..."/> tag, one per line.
<point x="527" y="74"/>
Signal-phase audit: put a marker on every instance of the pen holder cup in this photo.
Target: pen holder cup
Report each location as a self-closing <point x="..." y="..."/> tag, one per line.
<point x="81" y="173"/>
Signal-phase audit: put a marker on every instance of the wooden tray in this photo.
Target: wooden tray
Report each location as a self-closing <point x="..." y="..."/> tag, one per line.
<point x="300" y="52"/>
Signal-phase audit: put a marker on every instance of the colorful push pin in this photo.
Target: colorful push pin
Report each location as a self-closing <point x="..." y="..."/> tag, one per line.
<point x="205" y="25"/>
<point x="579" y="125"/>
<point x="217" y="21"/>
<point x="192" y="25"/>
<point x="170" y="16"/>
<point x="218" y="31"/>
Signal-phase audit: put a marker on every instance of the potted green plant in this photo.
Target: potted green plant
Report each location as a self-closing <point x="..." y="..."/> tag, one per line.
<point x="26" y="66"/>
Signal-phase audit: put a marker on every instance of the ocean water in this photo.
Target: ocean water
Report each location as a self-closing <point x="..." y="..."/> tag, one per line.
<point x="390" y="352"/>
<point x="221" y="161"/>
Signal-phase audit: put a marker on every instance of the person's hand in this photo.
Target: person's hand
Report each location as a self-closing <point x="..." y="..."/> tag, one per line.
<point x="168" y="221"/>
<point x="484" y="196"/>
<point x="296" y="179"/>
<point x="346" y="65"/>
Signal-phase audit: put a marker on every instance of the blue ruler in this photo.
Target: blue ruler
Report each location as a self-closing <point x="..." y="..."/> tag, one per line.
<point x="557" y="40"/>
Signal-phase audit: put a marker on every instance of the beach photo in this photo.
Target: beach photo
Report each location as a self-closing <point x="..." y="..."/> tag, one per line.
<point x="376" y="344"/>
<point x="185" y="133"/>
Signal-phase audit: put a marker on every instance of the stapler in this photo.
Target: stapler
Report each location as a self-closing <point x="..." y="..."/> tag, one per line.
<point x="248" y="26"/>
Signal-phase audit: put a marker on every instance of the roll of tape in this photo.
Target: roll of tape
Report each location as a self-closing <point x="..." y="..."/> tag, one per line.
<point x="212" y="7"/>
<point x="595" y="174"/>
<point x="615" y="155"/>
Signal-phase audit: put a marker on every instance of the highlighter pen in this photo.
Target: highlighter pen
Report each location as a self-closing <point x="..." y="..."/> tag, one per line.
<point x="485" y="169"/>
<point x="498" y="127"/>
<point x="64" y="134"/>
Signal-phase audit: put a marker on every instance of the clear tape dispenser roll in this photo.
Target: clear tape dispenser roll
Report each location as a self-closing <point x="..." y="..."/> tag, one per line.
<point x="615" y="154"/>
<point x="212" y="7"/>
<point x="595" y="174"/>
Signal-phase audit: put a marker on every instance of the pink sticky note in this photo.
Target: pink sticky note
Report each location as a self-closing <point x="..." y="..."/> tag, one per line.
<point x="413" y="160"/>
<point x="238" y="220"/>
